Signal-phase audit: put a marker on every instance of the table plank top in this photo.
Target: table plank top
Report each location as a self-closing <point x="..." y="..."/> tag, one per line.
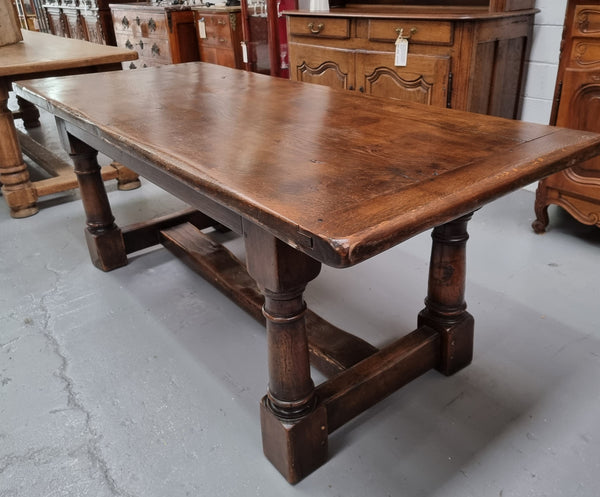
<point x="42" y="52"/>
<point x="353" y="175"/>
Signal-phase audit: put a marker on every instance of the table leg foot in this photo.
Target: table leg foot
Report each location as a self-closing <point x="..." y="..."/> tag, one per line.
<point x="445" y="309"/>
<point x="541" y="209"/>
<point x="295" y="448"/>
<point x="126" y="178"/>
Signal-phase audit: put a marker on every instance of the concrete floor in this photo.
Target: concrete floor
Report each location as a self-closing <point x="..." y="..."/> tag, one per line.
<point x="145" y="381"/>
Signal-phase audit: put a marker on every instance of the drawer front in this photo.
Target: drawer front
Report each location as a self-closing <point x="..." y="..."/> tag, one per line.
<point x="422" y="32"/>
<point x="320" y="27"/>
<point x="218" y="30"/>
<point x="140" y="24"/>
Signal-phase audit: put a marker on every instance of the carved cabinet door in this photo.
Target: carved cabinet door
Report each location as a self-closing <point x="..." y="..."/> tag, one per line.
<point x="326" y="66"/>
<point x="424" y="79"/>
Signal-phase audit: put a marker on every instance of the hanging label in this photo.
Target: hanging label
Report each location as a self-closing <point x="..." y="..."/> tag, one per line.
<point x="244" y="52"/>
<point x="401" y="57"/>
<point x="202" y="28"/>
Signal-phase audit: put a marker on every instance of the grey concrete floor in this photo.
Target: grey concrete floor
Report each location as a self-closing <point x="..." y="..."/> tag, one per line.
<point x="145" y="381"/>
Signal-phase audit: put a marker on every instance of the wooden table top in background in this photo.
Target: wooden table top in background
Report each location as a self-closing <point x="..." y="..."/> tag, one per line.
<point x="340" y="176"/>
<point x="40" y="52"/>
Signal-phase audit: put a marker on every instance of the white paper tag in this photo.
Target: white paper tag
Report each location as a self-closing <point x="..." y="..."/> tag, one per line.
<point x="202" y="28"/>
<point x="244" y="52"/>
<point x="401" y="52"/>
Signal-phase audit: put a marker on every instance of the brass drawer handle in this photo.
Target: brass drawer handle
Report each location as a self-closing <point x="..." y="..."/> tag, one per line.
<point x="151" y="24"/>
<point x="155" y="49"/>
<point x="400" y="32"/>
<point x="138" y="20"/>
<point x="129" y="45"/>
<point x="125" y="22"/>
<point x="222" y="22"/>
<point x="317" y="30"/>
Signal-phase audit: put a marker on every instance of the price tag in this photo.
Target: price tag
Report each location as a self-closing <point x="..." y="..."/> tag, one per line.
<point x="202" y="28"/>
<point x="401" y="57"/>
<point x="244" y="52"/>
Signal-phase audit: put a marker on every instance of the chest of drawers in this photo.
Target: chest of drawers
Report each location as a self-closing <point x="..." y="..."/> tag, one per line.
<point x="159" y="34"/>
<point x="219" y="36"/>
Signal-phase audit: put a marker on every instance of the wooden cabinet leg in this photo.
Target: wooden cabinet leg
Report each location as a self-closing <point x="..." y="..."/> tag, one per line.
<point x="294" y="428"/>
<point x="19" y="193"/>
<point x="103" y="237"/>
<point x="445" y="307"/>
<point x="541" y="208"/>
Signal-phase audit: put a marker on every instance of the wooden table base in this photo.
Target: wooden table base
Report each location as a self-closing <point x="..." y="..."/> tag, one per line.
<point x="21" y="194"/>
<point x="296" y="415"/>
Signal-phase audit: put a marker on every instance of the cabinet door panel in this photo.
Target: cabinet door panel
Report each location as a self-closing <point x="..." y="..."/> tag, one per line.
<point x="580" y="109"/>
<point x="424" y="79"/>
<point x="324" y="66"/>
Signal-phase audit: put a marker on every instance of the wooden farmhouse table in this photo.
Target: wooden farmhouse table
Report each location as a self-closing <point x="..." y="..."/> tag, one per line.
<point x="42" y="55"/>
<point x="307" y="175"/>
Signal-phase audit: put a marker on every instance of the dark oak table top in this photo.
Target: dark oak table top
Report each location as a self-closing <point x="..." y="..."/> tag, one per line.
<point x="340" y="176"/>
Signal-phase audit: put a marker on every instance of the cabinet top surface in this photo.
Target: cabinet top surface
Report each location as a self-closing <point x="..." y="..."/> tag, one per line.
<point x="41" y="52"/>
<point x="147" y="6"/>
<point x="413" y="12"/>
<point x="352" y="174"/>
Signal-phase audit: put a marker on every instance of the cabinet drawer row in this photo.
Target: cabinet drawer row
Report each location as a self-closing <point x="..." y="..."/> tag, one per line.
<point x="155" y="49"/>
<point x="380" y="30"/>
<point x="140" y="25"/>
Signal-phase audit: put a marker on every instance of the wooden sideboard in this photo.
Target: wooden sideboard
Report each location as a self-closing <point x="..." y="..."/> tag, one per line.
<point x="465" y="55"/>
<point x="576" y="105"/>
<point x="159" y="34"/>
<point x="219" y="32"/>
<point x="87" y="20"/>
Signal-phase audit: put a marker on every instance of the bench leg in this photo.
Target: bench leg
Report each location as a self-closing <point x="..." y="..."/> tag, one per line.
<point x="294" y="427"/>
<point x="445" y="307"/>
<point x="103" y="237"/>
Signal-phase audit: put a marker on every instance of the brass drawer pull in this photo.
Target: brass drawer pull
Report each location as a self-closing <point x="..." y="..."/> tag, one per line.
<point x="151" y="24"/>
<point x="138" y="20"/>
<point x="222" y="22"/>
<point x="317" y="30"/>
<point x="125" y="22"/>
<point x="129" y="45"/>
<point x="400" y="32"/>
<point x="155" y="49"/>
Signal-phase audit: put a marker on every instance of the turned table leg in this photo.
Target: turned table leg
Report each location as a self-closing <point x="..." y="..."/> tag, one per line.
<point x="19" y="193"/>
<point x="294" y="428"/>
<point x="445" y="307"/>
<point x="103" y="237"/>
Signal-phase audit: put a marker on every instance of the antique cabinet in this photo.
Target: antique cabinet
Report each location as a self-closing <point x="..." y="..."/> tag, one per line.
<point x="219" y="32"/>
<point x="465" y="54"/>
<point x="160" y="34"/>
<point x="576" y="105"/>
<point x="88" y="20"/>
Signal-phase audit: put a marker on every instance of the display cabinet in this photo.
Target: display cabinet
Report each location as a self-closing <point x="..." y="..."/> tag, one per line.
<point x="577" y="106"/>
<point x="159" y="34"/>
<point x="466" y="55"/>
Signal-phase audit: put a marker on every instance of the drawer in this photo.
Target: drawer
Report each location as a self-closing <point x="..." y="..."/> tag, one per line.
<point x="218" y="30"/>
<point x="320" y="27"/>
<point x="423" y="32"/>
<point x="140" y="24"/>
<point x="586" y="53"/>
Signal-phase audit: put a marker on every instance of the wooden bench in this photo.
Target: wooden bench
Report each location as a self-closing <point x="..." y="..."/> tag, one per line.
<point x="308" y="176"/>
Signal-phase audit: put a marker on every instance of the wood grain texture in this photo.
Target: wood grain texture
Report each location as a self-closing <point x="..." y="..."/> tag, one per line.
<point x="339" y="176"/>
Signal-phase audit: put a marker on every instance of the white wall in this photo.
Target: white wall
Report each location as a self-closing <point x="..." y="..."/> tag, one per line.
<point x="543" y="61"/>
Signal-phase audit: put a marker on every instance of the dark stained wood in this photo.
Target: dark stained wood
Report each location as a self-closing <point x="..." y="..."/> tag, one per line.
<point x="577" y="105"/>
<point x="307" y="175"/>
<point x="332" y="350"/>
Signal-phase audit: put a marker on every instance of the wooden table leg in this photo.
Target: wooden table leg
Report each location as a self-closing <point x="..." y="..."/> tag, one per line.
<point x="19" y="193"/>
<point x="103" y="237"/>
<point x="294" y="428"/>
<point x="445" y="307"/>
